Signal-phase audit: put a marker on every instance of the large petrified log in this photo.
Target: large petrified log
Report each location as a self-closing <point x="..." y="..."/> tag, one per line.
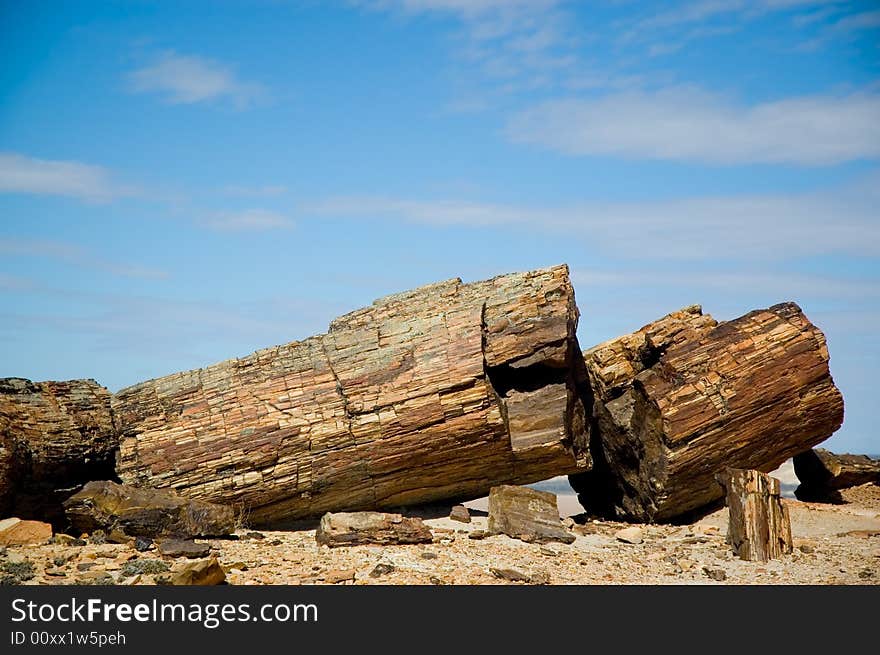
<point x="681" y="399"/>
<point x="433" y="394"/>
<point x="759" y="527"/>
<point x="823" y="473"/>
<point x="54" y="436"/>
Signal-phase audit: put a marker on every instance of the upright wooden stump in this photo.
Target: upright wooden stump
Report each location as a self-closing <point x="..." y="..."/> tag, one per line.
<point x="759" y="526"/>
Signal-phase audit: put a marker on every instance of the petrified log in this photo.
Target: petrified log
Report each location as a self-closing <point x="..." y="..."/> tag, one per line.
<point x="759" y="527"/>
<point x="681" y="399"/>
<point x="54" y="436"/>
<point x="822" y="473"/>
<point x="357" y="528"/>
<point x="433" y="394"/>
<point x="140" y="512"/>
<point x="526" y="514"/>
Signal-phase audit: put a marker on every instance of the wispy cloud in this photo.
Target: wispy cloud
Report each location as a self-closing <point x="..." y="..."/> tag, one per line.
<point x="23" y="174"/>
<point x="248" y="220"/>
<point x="77" y="256"/>
<point x="188" y="79"/>
<point x="685" y="124"/>
<point x="750" y="227"/>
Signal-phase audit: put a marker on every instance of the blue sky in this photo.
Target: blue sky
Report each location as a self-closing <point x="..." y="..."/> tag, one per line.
<point x="181" y="183"/>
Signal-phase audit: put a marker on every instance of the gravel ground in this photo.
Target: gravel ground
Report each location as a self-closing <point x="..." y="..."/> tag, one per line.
<point x="834" y="544"/>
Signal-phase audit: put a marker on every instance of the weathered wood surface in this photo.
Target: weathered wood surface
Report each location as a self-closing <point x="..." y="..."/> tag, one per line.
<point x="759" y="526"/>
<point x="684" y="397"/>
<point x="53" y="436"/>
<point x="358" y="528"/>
<point x="820" y="469"/>
<point x="433" y="394"/>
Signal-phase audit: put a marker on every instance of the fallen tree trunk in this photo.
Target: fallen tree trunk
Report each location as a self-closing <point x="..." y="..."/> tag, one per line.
<point x="681" y="399"/>
<point x="433" y="394"/>
<point x="54" y="436"/>
<point x="820" y="470"/>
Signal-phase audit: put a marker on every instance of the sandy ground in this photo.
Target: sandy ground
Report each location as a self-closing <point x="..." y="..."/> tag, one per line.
<point x="835" y="544"/>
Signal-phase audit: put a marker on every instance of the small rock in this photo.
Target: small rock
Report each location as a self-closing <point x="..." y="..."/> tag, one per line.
<point x="143" y="544"/>
<point x="382" y="568"/>
<point x="589" y="528"/>
<point x="460" y="513"/>
<point x="62" y="539"/>
<point x="807" y="548"/>
<point x="539" y="578"/>
<point x="276" y="542"/>
<point x="715" y="574"/>
<point x="235" y="566"/>
<point x="117" y="536"/>
<point x="64" y="558"/>
<point x="85" y="566"/>
<point x="254" y="535"/>
<point x="549" y="552"/>
<point x="15" y="532"/>
<point x="511" y="575"/>
<point x="686" y="564"/>
<point x="355" y="528"/>
<point x="98" y="537"/>
<point x="55" y="572"/>
<point x="866" y="573"/>
<point x="428" y="554"/>
<point x="435" y="580"/>
<point x="183" y="548"/>
<point x="95" y="578"/>
<point x="478" y="534"/>
<point x="335" y="577"/>
<point x="630" y="535"/>
<point x="568" y="522"/>
<point x="198" y="572"/>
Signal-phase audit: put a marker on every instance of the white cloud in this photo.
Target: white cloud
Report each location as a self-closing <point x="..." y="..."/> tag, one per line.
<point x="750" y="227"/>
<point x="23" y="174"/>
<point x="690" y="125"/>
<point x="78" y="256"/>
<point x="248" y="220"/>
<point x="188" y="79"/>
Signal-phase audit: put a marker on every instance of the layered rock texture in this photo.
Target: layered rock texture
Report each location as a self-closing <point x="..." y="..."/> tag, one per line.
<point x="685" y="397"/>
<point x="823" y="473"/>
<point x="759" y="526"/>
<point x="437" y="393"/>
<point x="54" y="436"/>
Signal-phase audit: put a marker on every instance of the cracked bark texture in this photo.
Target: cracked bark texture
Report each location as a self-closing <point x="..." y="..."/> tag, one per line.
<point x="685" y="397"/>
<point x="433" y="394"/>
<point x="54" y="436"/>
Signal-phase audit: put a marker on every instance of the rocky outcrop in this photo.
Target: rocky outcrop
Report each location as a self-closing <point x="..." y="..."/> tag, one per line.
<point x="54" y="436"/>
<point x="15" y="532"/>
<point x="759" y="527"/>
<point x="433" y="394"/>
<point x="823" y="473"/>
<point x="135" y="512"/>
<point x="685" y="397"/>
<point x="526" y="514"/>
<point x="358" y="528"/>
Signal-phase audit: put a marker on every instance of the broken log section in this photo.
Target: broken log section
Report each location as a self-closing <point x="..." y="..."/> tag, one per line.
<point x="684" y="397"/>
<point x="822" y="472"/>
<point x="433" y="394"/>
<point x="759" y="527"/>
<point x="54" y="436"/>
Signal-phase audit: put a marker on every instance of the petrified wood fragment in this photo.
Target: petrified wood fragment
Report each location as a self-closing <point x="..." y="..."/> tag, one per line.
<point x="433" y="394"/>
<point x="54" y="436"/>
<point x="527" y="514"/>
<point x="822" y="473"/>
<point x="759" y="527"/>
<point x="357" y="528"/>
<point x="136" y="512"/>
<point x="681" y="399"/>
